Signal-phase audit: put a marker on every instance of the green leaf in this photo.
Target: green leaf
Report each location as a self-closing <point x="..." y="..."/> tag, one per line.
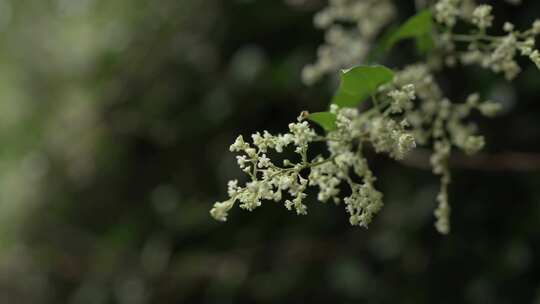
<point x="424" y="43"/>
<point x="379" y="50"/>
<point x="418" y="26"/>
<point x="326" y="120"/>
<point x="359" y="83"/>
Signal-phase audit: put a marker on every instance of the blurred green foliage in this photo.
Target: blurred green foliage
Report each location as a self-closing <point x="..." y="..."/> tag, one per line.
<point x="115" y="119"/>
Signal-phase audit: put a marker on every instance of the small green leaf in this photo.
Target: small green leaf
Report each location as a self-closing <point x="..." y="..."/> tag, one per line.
<point x="326" y="120"/>
<point x="359" y="83"/>
<point x="418" y="26"/>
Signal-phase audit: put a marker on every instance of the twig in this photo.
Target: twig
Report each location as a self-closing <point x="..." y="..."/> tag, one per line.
<point x="507" y="161"/>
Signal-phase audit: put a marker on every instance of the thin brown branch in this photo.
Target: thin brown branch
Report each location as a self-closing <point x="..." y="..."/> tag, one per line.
<point x="507" y="161"/>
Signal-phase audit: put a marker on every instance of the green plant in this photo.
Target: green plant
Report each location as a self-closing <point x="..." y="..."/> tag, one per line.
<point x="408" y="107"/>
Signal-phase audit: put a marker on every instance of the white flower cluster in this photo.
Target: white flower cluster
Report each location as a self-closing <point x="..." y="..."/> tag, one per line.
<point x="482" y="16"/>
<point x="346" y="46"/>
<point x="391" y="137"/>
<point x="497" y="53"/>
<point x="439" y="161"/>
<point x="269" y="181"/>
<point x="443" y="123"/>
<point x="402" y="99"/>
<point x="447" y="12"/>
<point x="410" y="111"/>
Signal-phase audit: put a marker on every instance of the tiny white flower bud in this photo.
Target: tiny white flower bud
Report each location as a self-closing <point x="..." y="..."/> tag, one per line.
<point x="508" y="27"/>
<point x="536" y="27"/>
<point x="535" y="57"/>
<point x="482" y="16"/>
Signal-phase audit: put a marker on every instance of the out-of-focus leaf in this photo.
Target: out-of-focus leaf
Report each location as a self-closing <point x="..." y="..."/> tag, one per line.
<point x="379" y="50"/>
<point x="424" y="43"/>
<point x="418" y="26"/>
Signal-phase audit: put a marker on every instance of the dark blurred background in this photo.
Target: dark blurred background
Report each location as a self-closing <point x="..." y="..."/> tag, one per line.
<point x="115" y="122"/>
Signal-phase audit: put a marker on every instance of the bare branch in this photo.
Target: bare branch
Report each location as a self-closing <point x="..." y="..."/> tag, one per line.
<point x="507" y="161"/>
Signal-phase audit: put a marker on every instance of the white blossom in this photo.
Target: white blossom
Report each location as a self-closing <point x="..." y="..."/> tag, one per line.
<point x="508" y="27"/>
<point x="402" y="99"/>
<point x="442" y="213"/>
<point x="482" y="16"/>
<point x="489" y="109"/>
<point x="447" y="11"/>
<point x="221" y="209"/>
<point x="535" y="57"/>
<point x="536" y="27"/>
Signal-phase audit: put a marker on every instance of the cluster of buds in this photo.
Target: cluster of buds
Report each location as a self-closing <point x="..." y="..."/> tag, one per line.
<point x="344" y="163"/>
